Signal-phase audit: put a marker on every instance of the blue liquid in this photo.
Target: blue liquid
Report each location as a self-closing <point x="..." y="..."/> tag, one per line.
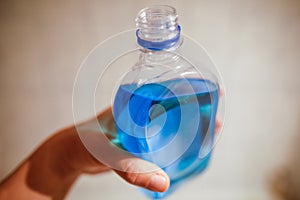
<point x="151" y="116"/>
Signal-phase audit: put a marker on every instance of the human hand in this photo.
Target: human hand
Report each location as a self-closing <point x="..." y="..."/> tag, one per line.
<point x="132" y="169"/>
<point x="52" y="169"/>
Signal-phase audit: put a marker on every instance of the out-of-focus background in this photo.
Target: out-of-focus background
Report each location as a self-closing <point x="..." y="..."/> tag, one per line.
<point x="255" y="44"/>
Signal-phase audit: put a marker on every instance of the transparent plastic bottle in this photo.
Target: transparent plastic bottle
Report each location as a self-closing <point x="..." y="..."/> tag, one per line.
<point x="165" y="108"/>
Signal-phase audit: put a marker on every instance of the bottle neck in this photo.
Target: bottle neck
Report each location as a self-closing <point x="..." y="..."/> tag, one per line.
<point x="158" y="28"/>
<point x="162" y="57"/>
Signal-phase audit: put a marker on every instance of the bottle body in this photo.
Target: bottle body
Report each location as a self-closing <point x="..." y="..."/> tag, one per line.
<point x="159" y="101"/>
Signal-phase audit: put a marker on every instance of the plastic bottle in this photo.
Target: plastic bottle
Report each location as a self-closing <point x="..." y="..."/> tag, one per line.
<point x="165" y="108"/>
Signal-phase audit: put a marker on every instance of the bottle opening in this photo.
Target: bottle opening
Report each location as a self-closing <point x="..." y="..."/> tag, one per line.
<point x="158" y="28"/>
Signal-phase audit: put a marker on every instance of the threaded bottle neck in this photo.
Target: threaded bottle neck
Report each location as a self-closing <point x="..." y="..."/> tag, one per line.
<point x="157" y="28"/>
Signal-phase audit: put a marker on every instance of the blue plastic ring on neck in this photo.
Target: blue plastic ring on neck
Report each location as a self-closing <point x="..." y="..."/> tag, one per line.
<point x="158" y="46"/>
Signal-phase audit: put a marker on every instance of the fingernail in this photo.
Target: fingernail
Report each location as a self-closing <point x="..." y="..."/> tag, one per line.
<point x="158" y="183"/>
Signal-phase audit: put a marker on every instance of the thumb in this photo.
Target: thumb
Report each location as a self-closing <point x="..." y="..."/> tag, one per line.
<point x="143" y="174"/>
<point x="132" y="169"/>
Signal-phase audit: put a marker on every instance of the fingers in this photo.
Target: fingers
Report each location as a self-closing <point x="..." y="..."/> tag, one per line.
<point x="144" y="174"/>
<point x="221" y="93"/>
<point x="218" y="125"/>
<point x="106" y="122"/>
<point x="132" y="169"/>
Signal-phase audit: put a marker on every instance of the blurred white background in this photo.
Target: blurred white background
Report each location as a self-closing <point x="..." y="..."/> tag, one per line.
<point x="255" y="44"/>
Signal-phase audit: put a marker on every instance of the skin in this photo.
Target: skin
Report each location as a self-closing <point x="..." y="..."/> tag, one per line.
<point x="53" y="167"/>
